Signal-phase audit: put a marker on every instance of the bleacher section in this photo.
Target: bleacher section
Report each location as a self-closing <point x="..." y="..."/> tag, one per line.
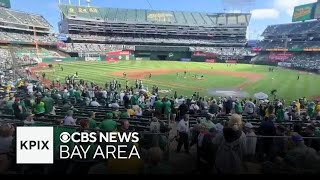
<point x="298" y="39"/>
<point x="94" y="48"/>
<point x="9" y="16"/>
<point x="95" y="26"/>
<point x="24" y="28"/>
<point x="26" y="38"/>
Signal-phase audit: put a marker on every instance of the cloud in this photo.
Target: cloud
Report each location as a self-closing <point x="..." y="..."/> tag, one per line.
<point x="287" y="6"/>
<point x="265" y="14"/>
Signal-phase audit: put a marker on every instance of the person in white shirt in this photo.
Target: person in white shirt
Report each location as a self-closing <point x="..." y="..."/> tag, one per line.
<point x="180" y="100"/>
<point x="251" y="140"/>
<point x="249" y="107"/>
<point x="287" y="115"/>
<point x="94" y="103"/>
<point x="138" y="112"/>
<point x="141" y="99"/>
<point x="114" y="104"/>
<point x="152" y="100"/>
<point x="30" y="88"/>
<point x="29" y="119"/>
<point x="121" y="97"/>
<point x="91" y="93"/>
<point x="183" y="130"/>
<point x="193" y="107"/>
<point x="104" y="93"/>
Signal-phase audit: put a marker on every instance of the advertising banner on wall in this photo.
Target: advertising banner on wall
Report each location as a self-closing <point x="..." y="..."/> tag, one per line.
<point x="303" y="12"/>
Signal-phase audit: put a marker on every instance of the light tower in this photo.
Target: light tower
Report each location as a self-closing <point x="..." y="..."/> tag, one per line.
<point x="88" y="2"/>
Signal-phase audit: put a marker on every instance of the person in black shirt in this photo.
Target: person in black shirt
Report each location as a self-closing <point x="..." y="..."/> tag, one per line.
<point x="126" y="100"/>
<point x="183" y="109"/>
<point x="313" y="143"/>
<point x="267" y="128"/>
<point x="17" y="109"/>
<point x="229" y="105"/>
<point x="214" y="108"/>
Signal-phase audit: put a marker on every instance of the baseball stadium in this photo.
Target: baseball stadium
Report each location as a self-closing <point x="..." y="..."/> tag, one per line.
<point x="181" y="79"/>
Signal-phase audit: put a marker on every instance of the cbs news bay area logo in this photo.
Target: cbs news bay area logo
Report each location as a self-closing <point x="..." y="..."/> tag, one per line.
<point x="35" y="145"/>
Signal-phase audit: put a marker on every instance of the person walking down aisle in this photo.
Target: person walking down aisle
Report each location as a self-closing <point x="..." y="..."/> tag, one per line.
<point x="183" y="131"/>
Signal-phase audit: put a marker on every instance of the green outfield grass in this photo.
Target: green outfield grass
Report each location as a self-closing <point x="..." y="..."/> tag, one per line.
<point x="285" y="81"/>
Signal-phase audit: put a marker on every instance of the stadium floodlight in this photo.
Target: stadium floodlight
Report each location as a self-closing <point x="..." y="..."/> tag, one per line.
<point x="88" y="2"/>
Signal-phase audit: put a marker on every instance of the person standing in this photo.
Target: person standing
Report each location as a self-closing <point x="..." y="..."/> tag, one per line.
<point x="232" y="148"/>
<point x="158" y="105"/>
<point x="167" y="109"/>
<point x="229" y="105"/>
<point x="49" y="104"/>
<point x="238" y="107"/>
<point x="126" y="100"/>
<point x="92" y="122"/>
<point x="251" y="140"/>
<point x="183" y="131"/>
<point x="17" y="109"/>
<point x="183" y="110"/>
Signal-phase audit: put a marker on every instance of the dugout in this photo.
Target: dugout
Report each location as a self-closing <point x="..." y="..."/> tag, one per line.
<point x="165" y="53"/>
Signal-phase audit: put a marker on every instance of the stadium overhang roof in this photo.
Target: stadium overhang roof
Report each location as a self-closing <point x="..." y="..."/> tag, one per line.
<point x="143" y="16"/>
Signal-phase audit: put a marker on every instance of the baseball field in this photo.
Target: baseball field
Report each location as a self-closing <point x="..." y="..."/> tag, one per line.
<point x="207" y="78"/>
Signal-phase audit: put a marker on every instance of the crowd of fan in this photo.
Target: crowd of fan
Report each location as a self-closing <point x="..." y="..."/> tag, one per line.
<point x="234" y="51"/>
<point x="24" y="37"/>
<point x="87" y="47"/>
<point x="292" y="29"/>
<point x="274" y="44"/>
<point x="16" y="17"/>
<point x="119" y="39"/>
<point x="308" y="61"/>
<point x="223" y="143"/>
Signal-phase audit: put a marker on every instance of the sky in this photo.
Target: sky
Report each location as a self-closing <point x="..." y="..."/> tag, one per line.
<point x="264" y="12"/>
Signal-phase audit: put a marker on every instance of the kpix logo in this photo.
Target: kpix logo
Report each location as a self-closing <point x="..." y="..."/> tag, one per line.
<point x="29" y="145"/>
<point x="34" y="145"/>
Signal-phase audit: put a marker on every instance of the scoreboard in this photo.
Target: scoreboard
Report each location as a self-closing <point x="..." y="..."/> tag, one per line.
<point x="317" y="10"/>
<point x="5" y="3"/>
<point x="306" y="12"/>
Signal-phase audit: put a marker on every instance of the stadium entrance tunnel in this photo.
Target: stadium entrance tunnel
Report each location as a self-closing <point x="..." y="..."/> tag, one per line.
<point x="162" y="57"/>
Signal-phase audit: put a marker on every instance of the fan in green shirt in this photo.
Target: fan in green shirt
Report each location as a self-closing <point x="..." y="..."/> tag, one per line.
<point x="9" y="103"/>
<point x="238" y="108"/>
<point x="38" y="107"/>
<point x="310" y="109"/>
<point x="71" y="92"/>
<point x="207" y="122"/>
<point x="92" y="122"/>
<point x="49" y="103"/>
<point x="77" y="95"/>
<point x="124" y="115"/>
<point x="134" y="100"/>
<point x="167" y="106"/>
<point x="158" y="106"/>
<point x="280" y="114"/>
<point x="108" y="125"/>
